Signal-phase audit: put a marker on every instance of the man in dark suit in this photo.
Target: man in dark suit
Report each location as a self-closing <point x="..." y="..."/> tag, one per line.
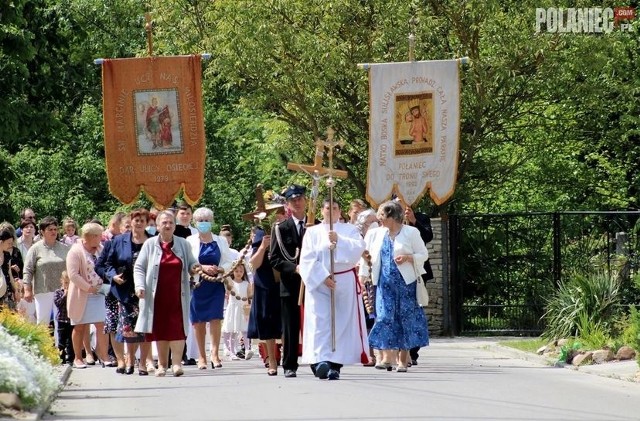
<point x="286" y="242"/>
<point x="423" y="223"/>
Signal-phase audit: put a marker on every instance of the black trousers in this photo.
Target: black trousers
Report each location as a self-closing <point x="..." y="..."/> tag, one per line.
<point x="413" y="353"/>
<point x="290" y="315"/>
<point x="65" y="346"/>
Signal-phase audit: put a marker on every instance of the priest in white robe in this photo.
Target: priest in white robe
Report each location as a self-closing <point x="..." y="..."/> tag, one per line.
<point x="351" y="345"/>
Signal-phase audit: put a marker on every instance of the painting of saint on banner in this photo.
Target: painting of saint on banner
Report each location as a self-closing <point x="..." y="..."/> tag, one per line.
<point x="414" y="120"/>
<point x="158" y="122"/>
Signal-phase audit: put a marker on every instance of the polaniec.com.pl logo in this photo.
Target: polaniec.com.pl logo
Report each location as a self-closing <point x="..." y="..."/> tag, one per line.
<point x="585" y="20"/>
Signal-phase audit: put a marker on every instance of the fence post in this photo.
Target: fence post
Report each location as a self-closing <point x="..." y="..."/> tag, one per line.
<point x="446" y="275"/>
<point x="455" y="310"/>
<point x="557" y="250"/>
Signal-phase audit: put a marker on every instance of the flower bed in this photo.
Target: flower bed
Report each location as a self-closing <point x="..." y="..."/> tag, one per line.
<point x="26" y="368"/>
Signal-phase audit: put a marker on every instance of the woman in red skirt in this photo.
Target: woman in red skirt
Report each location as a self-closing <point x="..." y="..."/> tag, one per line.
<point x="161" y="277"/>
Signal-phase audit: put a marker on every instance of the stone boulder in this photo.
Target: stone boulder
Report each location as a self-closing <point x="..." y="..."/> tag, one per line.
<point x="625" y="353"/>
<point x="10" y="400"/>
<point x="602" y="356"/>
<point x="582" y="359"/>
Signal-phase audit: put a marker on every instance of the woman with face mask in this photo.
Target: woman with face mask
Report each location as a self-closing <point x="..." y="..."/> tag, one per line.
<point x="207" y="300"/>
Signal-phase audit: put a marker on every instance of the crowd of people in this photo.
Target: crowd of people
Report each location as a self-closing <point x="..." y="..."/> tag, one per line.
<point x="147" y="289"/>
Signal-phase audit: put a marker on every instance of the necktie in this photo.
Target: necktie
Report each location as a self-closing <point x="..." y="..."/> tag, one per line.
<point x="301" y="228"/>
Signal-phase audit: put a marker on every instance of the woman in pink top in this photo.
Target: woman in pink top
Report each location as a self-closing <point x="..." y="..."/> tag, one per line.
<point x="85" y="299"/>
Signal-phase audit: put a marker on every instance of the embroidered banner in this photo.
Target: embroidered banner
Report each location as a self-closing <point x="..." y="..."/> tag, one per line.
<point x="414" y="130"/>
<point x="153" y="128"/>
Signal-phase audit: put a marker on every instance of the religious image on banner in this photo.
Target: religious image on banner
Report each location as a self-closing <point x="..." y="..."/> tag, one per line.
<point x="414" y="124"/>
<point x="414" y="128"/>
<point x="154" y="128"/>
<point x="158" y="122"/>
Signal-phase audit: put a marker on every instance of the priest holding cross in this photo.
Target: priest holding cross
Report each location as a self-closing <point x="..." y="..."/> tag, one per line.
<point x="334" y="330"/>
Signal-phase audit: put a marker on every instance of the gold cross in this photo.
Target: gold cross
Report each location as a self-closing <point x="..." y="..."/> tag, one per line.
<point x="330" y="144"/>
<point x="316" y="171"/>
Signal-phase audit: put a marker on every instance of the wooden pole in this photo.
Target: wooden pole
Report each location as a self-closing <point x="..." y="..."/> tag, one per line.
<point x="148" y="27"/>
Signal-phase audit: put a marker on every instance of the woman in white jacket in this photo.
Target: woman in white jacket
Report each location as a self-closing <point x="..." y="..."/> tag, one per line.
<point x="397" y="258"/>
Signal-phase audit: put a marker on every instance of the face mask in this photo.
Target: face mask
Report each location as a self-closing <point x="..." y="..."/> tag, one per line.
<point x="373" y="225"/>
<point x="204" y="227"/>
<point x="151" y="230"/>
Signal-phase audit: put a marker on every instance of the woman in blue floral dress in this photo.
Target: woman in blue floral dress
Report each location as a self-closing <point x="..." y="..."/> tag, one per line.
<point x="397" y="258"/>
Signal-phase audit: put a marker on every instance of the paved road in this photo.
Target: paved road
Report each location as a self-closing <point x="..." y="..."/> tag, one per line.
<point x="457" y="379"/>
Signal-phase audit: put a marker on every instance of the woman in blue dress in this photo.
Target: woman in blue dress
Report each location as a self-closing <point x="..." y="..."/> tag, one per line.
<point x="207" y="300"/>
<point x="397" y="259"/>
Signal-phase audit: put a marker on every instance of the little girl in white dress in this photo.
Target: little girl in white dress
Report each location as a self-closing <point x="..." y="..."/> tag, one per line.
<point x="236" y="320"/>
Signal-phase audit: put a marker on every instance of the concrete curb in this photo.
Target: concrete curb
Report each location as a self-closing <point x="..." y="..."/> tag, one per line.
<point x="64" y="378"/>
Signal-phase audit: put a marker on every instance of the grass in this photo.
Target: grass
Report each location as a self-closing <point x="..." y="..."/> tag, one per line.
<point x="527" y="345"/>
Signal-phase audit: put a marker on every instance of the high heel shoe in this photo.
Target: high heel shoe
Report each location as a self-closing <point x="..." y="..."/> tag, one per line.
<point x="129" y="370"/>
<point x="120" y="370"/>
<point x="177" y="370"/>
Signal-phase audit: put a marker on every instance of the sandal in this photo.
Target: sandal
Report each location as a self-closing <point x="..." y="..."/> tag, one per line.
<point x="371" y="363"/>
<point x="272" y="372"/>
<point x="383" y="366"/>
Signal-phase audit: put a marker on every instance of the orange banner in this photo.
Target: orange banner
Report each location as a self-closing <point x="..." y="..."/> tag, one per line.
<point x="153" y="128"/>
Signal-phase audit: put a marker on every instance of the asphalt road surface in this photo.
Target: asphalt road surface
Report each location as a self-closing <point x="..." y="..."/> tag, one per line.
<point x="456" y="379"/>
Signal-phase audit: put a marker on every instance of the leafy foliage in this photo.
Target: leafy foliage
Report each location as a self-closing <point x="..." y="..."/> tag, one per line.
<point x="586" y="303"/>
<point x="549" y="121"/>
<point x="631" y="334"/>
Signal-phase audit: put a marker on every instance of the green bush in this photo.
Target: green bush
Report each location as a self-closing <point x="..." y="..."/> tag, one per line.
<point x="592" y="333"/>
<point x="631" y="335"/>
<point x="585" y="299"/>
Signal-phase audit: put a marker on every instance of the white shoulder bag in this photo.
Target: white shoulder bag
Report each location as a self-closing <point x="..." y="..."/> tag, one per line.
<point x="422" y="295"/>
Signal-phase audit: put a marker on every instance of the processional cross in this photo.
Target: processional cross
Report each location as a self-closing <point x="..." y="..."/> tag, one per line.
<point x="317" y="171"/>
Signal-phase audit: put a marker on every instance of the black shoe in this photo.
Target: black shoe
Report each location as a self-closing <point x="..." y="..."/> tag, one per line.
<point x="190" y="361"/>
<point x="129" y="370"/>
<point x="290" y="373"/>
<point x="414" y="362"/>
<point x="120" y="370"/>
<point x="333" y="375"/>
<point x="322" y="370"/>
<point x="240" y="354"/>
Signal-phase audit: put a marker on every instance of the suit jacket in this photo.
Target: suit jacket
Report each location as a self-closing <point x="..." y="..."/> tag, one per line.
<point x="117" y="258"/>
<point x="423" y="223"/>
<point x="289" y="279"/>
<point x="408" y="241"/>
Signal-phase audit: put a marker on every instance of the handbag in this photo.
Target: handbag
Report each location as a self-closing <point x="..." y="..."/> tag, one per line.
<point x="3" y="284"/>
<point x="422" y="295"/>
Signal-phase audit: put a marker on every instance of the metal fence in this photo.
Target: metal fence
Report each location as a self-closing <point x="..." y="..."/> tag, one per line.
<point x="505" y="266"/>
